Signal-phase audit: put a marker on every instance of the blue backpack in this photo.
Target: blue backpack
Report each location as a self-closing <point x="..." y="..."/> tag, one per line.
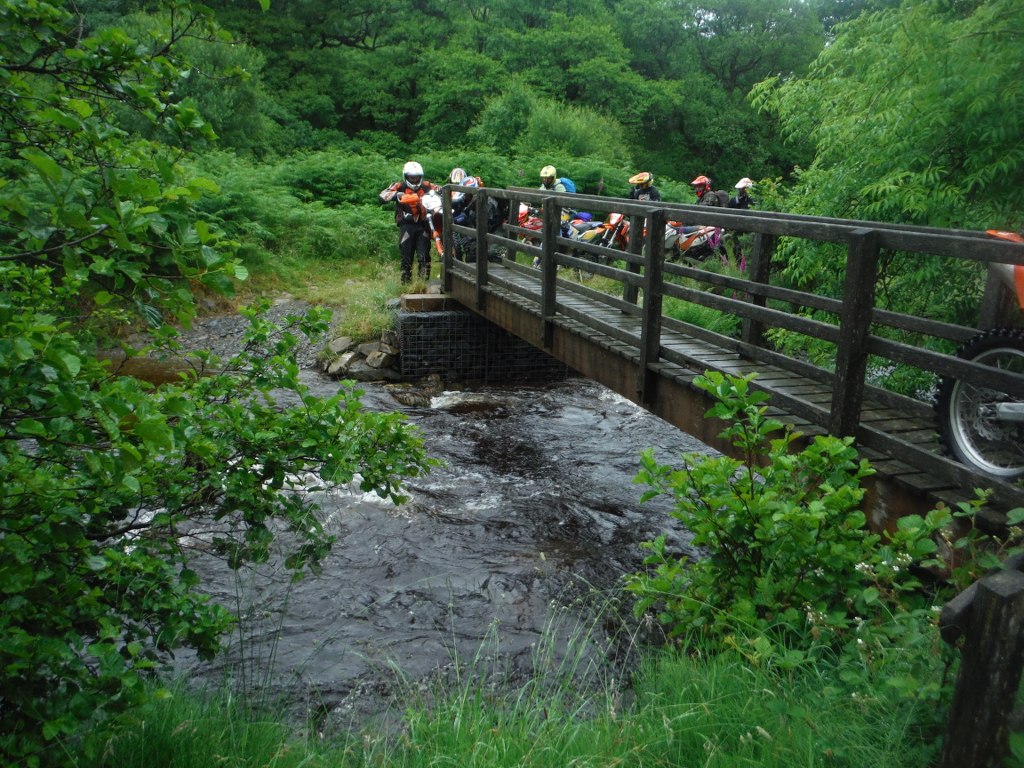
<point x="568" y="184"/>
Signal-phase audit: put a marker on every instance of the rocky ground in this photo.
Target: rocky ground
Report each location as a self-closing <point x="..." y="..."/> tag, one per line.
<point x="222" y="333"/>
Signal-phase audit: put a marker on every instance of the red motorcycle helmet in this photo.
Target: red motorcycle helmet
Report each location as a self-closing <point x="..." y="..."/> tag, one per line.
<point x="700" y="184"/>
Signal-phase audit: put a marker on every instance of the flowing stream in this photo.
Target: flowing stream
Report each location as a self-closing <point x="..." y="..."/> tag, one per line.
<point x="502" y="556"/>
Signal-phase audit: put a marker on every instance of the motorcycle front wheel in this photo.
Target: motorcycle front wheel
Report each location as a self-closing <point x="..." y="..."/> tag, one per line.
<point x="969" y="427"/>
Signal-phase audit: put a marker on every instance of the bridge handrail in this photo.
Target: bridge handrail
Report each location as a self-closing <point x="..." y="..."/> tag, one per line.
<point x="933" y="240"/>
<point x="858" y="332"/>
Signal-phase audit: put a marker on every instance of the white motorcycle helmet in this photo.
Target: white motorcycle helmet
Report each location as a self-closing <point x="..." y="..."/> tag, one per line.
<point x="412" y="173"/>
<point x="744" y="183"/>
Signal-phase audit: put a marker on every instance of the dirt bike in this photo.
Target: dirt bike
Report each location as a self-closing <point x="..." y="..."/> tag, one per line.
<point x="981" y="427"/>
<point x="694" y="242"/>
<point x="584" y="229"/>
<point x="573" y="226"/>
<point x="464" y="246"/>
<point x="615" y="232"/>
<point x="431" y="203"/>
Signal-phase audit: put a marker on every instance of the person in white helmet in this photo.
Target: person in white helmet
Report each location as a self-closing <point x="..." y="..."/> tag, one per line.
<point x="411" y="218"/>
<point x="742" y="197"/>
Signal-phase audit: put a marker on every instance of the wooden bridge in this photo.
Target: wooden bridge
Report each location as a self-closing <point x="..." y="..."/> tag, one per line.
<point x="613" y="329"/>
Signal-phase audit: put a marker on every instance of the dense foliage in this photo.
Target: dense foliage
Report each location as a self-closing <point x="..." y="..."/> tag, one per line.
<point x="146" y="152"/>
<point x="914" y="114"/>
<point x="107" y="481"/>
<point x="789" y="555"/>
<point x="655" y="84"/>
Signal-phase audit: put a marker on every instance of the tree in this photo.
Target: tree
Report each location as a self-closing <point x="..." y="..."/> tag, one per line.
<point x="106" y="480"/>
<point x="914" y="116"/>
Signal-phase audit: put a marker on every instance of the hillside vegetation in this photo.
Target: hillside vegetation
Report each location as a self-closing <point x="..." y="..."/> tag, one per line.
<point x="153" y="151"/>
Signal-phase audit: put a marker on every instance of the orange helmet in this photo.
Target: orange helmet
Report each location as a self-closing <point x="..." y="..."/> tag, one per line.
<point x="643" y="180"/>
<point x="701" y="181"/>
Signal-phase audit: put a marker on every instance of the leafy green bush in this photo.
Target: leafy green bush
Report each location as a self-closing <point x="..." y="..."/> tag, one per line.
<point x="107" y="480"/>
<point x="788" y="554"/>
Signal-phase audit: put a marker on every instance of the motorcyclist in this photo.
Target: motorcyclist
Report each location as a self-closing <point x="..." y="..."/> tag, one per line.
<point x="460" y="200"/>
<point x="465" y="245"/>
<point x="643" y="188"/>
<point x="705" y="194"/>
<point x="414" y="235"/>
<point x="549" y="180"/>
<point x="742" y="197"/>
<point x="459" y="176"/>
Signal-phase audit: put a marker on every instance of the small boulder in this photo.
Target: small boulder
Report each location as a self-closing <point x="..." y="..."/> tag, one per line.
<point x="380" y="359"/>
<point x="341" y="364"/>
<point x="339" y="345"/>
<point x="366" y="348"/>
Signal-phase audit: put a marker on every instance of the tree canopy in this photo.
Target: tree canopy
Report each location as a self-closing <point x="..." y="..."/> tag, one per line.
<point x="108" y="481"/>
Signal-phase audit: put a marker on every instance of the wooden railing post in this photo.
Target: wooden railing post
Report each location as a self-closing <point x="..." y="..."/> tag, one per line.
<point x="446" y="238"/>
<point x="513" y="219"/>
<point x="635" y="247"/>
<point x="854" y="324"/>
<point x="650" y="331"/>
<point x="548" y="267"/>
<point x="759" y="269"/>
<point x="481" y="248"/>
<point x="990" y="671"/>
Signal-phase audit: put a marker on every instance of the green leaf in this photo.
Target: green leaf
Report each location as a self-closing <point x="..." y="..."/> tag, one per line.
<point x="156" y="432"/>
<point x="23" y="349"/>
<point x="204" y="184"/>
<point x="72" y="363"/>
<point x="30" y="427"/>
<point x="81" y="107"/>
<point x="43" y="163"/>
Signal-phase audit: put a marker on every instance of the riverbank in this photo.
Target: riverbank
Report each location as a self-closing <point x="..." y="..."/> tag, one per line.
<point x="431" y="635"/>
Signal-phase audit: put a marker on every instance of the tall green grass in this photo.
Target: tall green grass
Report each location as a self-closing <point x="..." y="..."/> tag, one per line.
<point x="720" y="711"/>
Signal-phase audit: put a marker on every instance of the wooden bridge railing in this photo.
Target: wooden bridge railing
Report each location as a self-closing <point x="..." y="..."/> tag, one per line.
<point x="989" y="618"/>
<point x="862" y="333"/>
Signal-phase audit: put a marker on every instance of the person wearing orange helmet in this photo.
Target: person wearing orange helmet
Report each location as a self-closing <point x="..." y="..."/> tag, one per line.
<point x="643" y="188"/>
<point x="705" y="194"/>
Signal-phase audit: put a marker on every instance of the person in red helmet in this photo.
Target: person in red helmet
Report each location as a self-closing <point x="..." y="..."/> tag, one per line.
<point x="705" y="194"/>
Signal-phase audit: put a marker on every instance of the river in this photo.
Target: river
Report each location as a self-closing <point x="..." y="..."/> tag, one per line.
<point x="508" y="556"/>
